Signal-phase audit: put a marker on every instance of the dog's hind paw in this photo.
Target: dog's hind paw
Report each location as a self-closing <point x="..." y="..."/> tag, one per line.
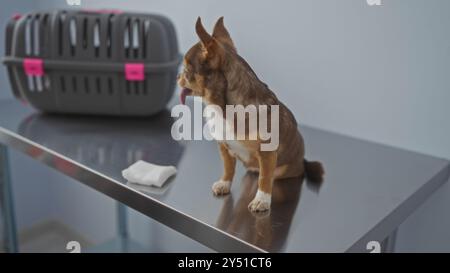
<point x="261" y="202"/>
<point x="221" y="187"/>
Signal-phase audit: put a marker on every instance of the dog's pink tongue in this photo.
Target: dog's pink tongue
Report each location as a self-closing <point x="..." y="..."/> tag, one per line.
<point x="184" y="92"/>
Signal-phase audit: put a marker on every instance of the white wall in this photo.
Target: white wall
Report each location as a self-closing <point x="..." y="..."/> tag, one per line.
<point x="378" y="73"/>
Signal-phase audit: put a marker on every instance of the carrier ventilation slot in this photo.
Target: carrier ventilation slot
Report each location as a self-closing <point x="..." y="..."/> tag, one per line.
<point x="74" y="84"/>
<point x="63" y="84"/>
<point x="73" y="35"/>
<point x="126" y="39"/>
<point x="98" y="85"/>
<point x="61" y="21"/>
<point x="135" y="39"/>
<point x="110" y="86"/>
<point x="109" y="36"/>
<point x="145" y="28"/>
<point x="85" y="33"/>
<point x="96" y="40"/>
<point x="86" y="85"/>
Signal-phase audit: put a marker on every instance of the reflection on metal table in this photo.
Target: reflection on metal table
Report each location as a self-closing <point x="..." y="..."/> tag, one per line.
<point x="369" y="189"/>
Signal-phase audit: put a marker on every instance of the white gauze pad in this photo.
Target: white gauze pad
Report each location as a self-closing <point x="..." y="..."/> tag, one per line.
<point x="148" y="174"/>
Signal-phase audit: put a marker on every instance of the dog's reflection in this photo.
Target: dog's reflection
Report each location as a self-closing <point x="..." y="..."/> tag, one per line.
<point x="269" y="230"/>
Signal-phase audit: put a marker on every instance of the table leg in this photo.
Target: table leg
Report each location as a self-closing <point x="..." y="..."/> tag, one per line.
<point x="122" y="226"/>
<point x="7" y="203"/>
<point x="388" y="245"/>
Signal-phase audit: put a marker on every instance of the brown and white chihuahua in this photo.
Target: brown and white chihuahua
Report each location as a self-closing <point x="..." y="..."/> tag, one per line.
<point x="214" y="71"/>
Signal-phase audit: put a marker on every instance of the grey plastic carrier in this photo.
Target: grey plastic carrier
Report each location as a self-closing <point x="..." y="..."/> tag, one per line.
<point x="92" y="62"/>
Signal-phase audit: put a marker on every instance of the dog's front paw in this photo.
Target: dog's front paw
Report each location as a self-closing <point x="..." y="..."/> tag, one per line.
<point x="261" y="202"/>
<point x="221" y="187"/>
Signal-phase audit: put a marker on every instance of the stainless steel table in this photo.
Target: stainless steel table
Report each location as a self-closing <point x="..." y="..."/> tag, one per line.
<point x="369" y="190"/>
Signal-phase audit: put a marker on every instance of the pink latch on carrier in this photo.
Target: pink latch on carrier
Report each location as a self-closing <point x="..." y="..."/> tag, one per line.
<point x="134" y="72"/>
<point x="33" y="67"/>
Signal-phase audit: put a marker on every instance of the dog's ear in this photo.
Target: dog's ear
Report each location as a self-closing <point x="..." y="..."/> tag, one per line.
<point x="204" y="36"/>
<point x="222" y="34"/>
<point x="212" y="49"/>
<point x="208" y="41"/>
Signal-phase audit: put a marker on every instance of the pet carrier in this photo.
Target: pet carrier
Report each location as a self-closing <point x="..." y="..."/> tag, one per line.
<point x="92" y="62"/>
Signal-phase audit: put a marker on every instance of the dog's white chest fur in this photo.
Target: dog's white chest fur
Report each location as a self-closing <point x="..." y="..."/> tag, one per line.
<point x="222" y="132"/>
<point x="237" y="149"/>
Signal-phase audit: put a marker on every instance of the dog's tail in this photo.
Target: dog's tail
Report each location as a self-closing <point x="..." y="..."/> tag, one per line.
<point x="314" y="171"/>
